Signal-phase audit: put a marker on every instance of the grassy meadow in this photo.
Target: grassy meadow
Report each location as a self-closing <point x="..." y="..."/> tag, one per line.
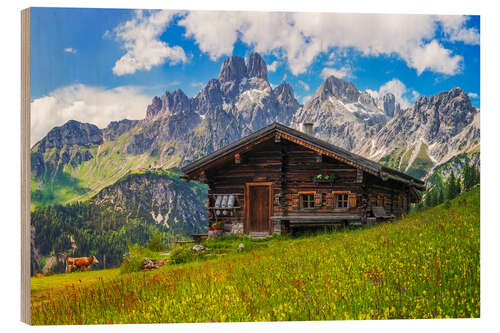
<point x="423" y="266"/>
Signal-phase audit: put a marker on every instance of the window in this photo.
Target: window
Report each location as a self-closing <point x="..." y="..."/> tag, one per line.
<point x="307" y="200"/>
<point x="341" y="200"/>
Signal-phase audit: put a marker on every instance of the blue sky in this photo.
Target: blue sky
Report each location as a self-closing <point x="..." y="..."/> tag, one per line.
<point x="98" y="65"/>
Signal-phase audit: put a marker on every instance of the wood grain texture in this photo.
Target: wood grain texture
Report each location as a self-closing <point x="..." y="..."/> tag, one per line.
<point x="287" y="169"/>
<point x="25" y="166"/>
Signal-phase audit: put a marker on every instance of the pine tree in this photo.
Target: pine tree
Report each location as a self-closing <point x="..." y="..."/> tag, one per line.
<point x="434" y="198"/>
<point x="427" y="200"/>
<point x="440" y="197"/>
<point x="477" y="176"/>
<point x="452" y="187"/>
<point x="469" y="175"/>
<point x="458" y="186"/>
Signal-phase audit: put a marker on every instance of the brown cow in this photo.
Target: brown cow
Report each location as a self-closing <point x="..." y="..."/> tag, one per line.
<point x="83" y="263"/>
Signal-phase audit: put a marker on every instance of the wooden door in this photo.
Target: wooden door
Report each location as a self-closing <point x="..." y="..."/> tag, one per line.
<point x="258" y="208"/>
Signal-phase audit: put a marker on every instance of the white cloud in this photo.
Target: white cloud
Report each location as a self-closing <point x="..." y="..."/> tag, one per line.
<point x="343" y="72"/>
<point x="273" y="66"/>
<point x="454" y="27"/>
<point x="473" y="95"/>
<point x="304" y="85"/>
<point x="70" y="50"/>
<point x="215" y="32"/>
<point x="300" y="37"/>
<point x="140" y="38"/>
<point x="306" y="99"/>
<point x="404" y="96"/>
<point x="434" y="57"/>
<point x="83" y="103"/>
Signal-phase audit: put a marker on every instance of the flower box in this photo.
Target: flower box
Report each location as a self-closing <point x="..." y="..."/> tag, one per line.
<point x="324" y="181"/>
<point x="217" y="227"/>
<point x="325" y="178"/>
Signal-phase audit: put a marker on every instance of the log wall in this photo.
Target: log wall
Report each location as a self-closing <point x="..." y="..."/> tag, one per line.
<point x="289" y="167"/>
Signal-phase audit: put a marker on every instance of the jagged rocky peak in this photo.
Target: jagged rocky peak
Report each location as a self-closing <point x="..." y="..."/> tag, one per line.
<point x="175" y="102"/>
<point x="154" y="108"/>
<point x="71" y="133"/>
<point x="169" y="103"/>
<point x="210" y="97"/>
<point x="366" y="99"/>
<point x="233" y="69"/>
<point x="389" y="104"/>
<point x="256" y="66"/>
<point x="117" y="128"/>
<point x="284" y="93"/>
<point x="342" y="90"/>
<point x="452" y="107"/>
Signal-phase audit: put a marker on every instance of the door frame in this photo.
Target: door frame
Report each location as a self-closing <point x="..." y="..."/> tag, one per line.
<point x="247" y="204"/>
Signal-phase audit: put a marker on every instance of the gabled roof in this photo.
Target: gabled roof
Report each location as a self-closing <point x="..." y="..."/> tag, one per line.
<point x="308" y="141"/>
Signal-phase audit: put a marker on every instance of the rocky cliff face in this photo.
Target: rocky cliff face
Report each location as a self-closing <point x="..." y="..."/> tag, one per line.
<point x="446" y="124"/>
<point x="71" y="133"/>
<point x="65" y="144"/>
<point x="343" y="115"/>
<point x="240" y="100"/>
<point x="160" y="198"/>
<point x="117" y="128"/>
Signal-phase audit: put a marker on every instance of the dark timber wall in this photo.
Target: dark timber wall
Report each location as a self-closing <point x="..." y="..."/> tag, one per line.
<point x="288" y="168"/>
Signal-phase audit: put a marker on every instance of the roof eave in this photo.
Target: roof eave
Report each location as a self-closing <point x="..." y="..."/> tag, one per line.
<point x="368" y="165"/>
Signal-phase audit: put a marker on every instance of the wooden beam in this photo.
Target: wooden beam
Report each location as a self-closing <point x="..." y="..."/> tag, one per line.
<point x="203" y="177"/>
<point x="324" y="152"/>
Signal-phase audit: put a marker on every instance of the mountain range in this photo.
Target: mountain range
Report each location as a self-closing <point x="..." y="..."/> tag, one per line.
<point x="76" y="161"/>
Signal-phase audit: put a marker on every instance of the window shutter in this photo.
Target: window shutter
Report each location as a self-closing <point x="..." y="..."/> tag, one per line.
<point x="295" y="202"/>
<point x="317" y="200"/>
<point x="352" y="200"/>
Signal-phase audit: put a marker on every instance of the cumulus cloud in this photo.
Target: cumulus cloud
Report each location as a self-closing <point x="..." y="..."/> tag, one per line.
<point x="404" y="96"/>
<point x="434" y="57"/>
<point x="140" y="38"/>
<point x="455" y="29"/>
<point x="70" y="50"/>
<point x="300" y="37"/>
<point x="273" y="66"/>
<point x="304" y="85"/>
<point x="473" y="95"/>
<point x="343" y="72"/>
<point x="86" y="104"/>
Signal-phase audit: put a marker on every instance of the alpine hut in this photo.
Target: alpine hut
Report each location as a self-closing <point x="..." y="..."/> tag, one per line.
<point x="279" y="178"/>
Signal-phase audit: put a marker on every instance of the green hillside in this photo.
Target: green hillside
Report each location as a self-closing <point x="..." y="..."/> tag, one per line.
<point x="137" y="206"/>
<point x="400" y="159"/>
<point x="423" y="266"/>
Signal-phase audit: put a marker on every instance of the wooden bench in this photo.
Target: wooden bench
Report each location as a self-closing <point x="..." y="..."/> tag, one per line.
<point x="184" y="241"/>
<point x="379" y="213"/>
<point x="197" y="238"/>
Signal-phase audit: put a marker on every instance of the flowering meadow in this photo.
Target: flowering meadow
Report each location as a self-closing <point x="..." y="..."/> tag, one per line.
<point x="423" y="266"/>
